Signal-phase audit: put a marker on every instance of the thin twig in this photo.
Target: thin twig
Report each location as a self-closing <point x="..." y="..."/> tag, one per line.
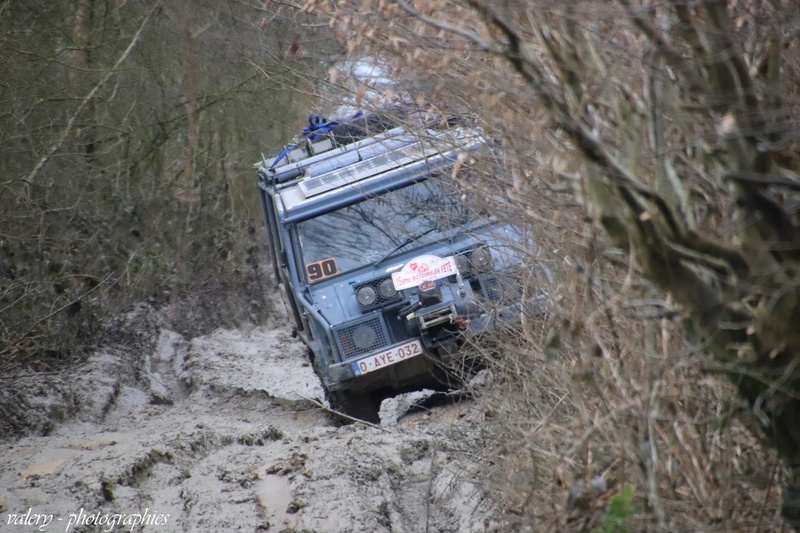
<point x="33" y="326"/>
<point x="441" y="25"/>
<point x="755" y="178"/>
<point x="330" y="410"/>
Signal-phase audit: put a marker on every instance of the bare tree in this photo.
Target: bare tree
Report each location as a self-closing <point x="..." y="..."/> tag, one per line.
<point x="126" y="138"/>
<point x="683" y="120"/>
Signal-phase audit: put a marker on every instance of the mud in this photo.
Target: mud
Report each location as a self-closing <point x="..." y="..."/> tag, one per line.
<point x="225" y="432"/>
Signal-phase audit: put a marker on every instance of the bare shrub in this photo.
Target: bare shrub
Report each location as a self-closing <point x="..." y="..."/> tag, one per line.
<point x="670" y="127"/>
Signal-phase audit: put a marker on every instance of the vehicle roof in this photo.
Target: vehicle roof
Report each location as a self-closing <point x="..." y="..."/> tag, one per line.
<point x="309" y="197"/>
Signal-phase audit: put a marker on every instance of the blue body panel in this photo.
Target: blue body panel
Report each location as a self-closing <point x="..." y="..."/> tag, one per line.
<point x="345" y="317"/>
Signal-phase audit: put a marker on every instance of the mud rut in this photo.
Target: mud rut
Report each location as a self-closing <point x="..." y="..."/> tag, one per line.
<point x="220" y="433"/>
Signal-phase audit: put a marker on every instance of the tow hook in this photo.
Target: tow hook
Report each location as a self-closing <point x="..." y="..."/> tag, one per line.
<point x="461" y="322"/>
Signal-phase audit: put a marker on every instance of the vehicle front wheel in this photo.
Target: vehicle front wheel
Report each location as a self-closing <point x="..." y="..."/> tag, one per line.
<point x="363" y="406"/>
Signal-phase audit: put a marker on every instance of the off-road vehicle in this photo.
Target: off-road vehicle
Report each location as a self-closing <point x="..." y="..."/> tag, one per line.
<point x="384" y="267"/>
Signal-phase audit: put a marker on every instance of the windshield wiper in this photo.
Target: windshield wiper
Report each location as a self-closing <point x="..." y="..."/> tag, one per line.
<point x="411" y="238"/>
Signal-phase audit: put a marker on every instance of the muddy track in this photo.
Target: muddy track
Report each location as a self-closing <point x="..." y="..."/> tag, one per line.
<point x="223" y="433"/>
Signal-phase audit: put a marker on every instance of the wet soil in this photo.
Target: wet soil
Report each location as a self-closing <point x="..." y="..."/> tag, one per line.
<point x="229" y="432"/>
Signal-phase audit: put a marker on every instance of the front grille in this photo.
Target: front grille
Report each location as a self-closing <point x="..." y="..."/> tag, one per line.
<point x="506" y="289"/>
<point x="362" y="337"/>
<point x="380" y="301"/>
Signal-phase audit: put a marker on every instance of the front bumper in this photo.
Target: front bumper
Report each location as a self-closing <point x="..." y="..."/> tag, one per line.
<point x="438" y="327"/>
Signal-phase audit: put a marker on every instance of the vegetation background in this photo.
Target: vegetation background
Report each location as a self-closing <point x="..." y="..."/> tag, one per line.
<point x="652" y="146"/>
<point x="128" y="131"/>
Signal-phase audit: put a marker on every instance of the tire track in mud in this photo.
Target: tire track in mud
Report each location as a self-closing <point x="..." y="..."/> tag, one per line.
<point x="217" y="433"/>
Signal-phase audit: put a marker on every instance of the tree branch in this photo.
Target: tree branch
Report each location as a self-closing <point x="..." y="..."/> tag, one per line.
<point x="444" y="26"/>
<point x="85" y="102"/>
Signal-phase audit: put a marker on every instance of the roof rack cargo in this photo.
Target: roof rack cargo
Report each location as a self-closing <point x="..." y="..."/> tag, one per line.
<point x="349" y="141"/>
<point x="344" y="155"/>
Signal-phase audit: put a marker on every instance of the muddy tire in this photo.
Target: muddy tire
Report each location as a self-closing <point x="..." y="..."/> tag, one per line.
<point x="460" y="366"/>
<point x="363" y="406"/>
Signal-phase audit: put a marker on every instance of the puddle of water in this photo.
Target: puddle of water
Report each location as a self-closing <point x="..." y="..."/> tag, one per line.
<point x="274" y="495"/>
<point x="109" y="439"/>
<point x="42" y="469"/>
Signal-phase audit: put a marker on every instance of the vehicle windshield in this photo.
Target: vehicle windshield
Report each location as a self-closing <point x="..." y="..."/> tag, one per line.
<point x="366" y="232"/>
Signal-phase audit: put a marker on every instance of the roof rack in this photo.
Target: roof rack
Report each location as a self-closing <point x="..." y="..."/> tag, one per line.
<point x="436" y="146"/>
<point x="325" y="146"/>
<point x="313" y="153"/>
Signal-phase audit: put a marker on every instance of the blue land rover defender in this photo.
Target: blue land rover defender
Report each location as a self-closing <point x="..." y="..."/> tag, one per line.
<point x="384" y="267"/>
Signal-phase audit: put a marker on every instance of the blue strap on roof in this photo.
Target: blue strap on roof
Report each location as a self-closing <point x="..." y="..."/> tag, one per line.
<point x="282" y="154"/>
<point x="317" y="126"/>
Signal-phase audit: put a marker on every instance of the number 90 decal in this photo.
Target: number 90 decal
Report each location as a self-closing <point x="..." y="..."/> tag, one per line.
<point x="321" y="269"/>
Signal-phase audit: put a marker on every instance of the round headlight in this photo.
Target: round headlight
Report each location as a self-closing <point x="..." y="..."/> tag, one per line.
<point x="366" y="295"/>
<point x="386" y="289"/>
<point x="481" y="258"/>
<point x="364" y="337"/>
